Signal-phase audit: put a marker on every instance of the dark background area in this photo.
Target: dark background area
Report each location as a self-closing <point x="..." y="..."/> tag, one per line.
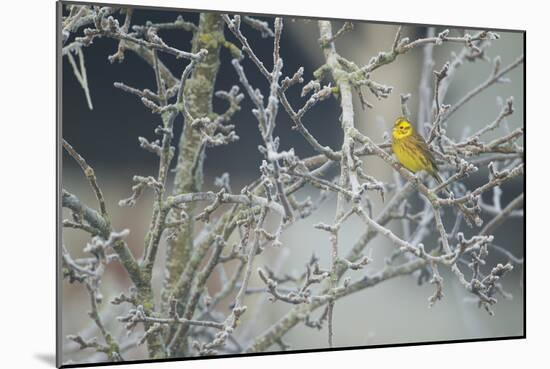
<point x="119" y="118"/>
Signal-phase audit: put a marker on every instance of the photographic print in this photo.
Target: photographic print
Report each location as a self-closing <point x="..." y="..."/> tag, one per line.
<point x="244" y="184"/>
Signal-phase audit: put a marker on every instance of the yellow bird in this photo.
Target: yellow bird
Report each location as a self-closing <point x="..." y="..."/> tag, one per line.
<point x="411" y="150"/>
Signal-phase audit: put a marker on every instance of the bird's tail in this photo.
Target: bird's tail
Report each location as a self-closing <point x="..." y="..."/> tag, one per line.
<point x="437" y="177"/>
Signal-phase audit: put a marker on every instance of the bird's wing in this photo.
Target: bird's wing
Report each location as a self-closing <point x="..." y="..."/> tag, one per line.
<point x="427" y="152"/>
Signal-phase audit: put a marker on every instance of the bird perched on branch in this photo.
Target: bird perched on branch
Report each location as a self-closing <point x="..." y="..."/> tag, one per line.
<point x="411" y="150"/>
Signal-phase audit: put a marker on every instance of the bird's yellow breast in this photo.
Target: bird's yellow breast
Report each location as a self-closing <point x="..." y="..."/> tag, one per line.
<point x="407" y="156"/>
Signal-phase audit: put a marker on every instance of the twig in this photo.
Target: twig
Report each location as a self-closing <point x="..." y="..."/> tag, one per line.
<point x="500" y="218"/>
<point x="90" y="175"/>
<point x="490" y="81"/>
<point x="81" y="74"/>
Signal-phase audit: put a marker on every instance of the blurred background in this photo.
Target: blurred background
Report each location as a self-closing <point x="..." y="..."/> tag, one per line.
<point x="395" y="311"/>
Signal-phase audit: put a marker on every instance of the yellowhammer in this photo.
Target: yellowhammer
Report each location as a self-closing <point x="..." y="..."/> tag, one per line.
<point x="411" y="149"/>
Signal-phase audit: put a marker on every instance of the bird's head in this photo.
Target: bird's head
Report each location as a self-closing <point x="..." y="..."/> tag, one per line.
<point x="402" y="128"/>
